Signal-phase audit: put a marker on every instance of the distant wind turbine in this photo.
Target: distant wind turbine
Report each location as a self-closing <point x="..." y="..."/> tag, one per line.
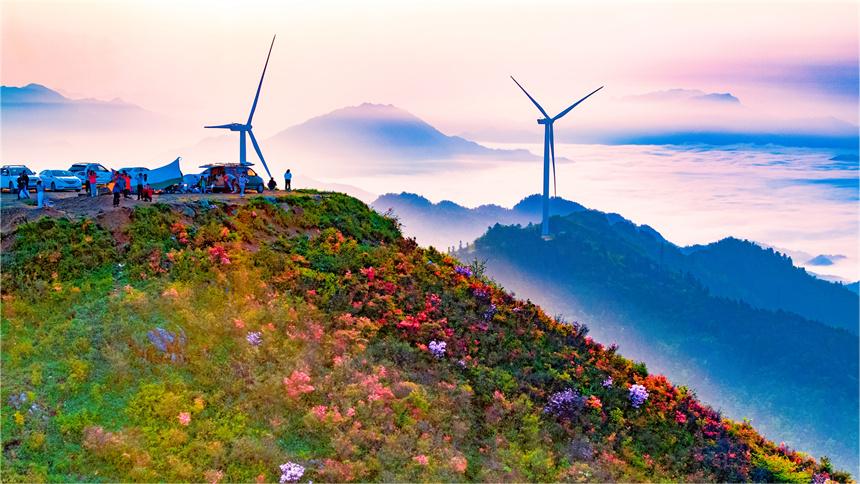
<point x="549" y="151"/>
<point x="246" y="128"/>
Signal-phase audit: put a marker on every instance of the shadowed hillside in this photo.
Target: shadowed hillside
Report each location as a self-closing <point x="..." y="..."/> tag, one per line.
<point x="751" y="362"/>
<point x="302" y="338"/>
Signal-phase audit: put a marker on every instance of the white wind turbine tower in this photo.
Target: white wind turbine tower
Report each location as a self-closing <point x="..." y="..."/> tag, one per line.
<point x="549" y="151"/>
<point x="245" y="128"/>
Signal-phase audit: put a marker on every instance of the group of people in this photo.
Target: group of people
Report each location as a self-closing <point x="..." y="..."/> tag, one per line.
<point x="231" y="183"/>
<point x="122" y="186"/>
<point x="24" y="189"/>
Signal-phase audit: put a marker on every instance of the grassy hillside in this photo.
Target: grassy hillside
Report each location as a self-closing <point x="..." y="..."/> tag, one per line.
<point x="302" y="338"/>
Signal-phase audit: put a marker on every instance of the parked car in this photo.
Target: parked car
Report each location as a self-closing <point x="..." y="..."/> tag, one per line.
<point x="215" y="172"/>
<point x="80" y="170"/>
<point x="55" y="180"/>
<point x="9" y="177"/>
<point x="190" y="183"/>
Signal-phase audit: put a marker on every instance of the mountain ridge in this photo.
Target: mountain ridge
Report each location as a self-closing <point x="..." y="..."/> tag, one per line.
<point x="730" y="267"/>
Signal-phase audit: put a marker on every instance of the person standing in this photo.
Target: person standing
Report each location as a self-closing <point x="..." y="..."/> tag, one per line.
<point x="117" y="190"/>
<point x="20" y="182"/>
<point x="139" y="180"/>
<point x="40" y="194"/>
<point x="94" y="189"/>
<point x="243" y="180"/>
<point x="147" y="192"/>
<point x="125" y="181"/>
<point x="288" y="177"/>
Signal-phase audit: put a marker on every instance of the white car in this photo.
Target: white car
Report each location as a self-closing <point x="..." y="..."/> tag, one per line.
<point x="55" y="180"/>
<point x="9" y="177"/>
<point x="80" y="170"/>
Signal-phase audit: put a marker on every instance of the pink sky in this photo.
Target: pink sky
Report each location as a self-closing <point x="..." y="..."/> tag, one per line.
<point x="447" y="62"/>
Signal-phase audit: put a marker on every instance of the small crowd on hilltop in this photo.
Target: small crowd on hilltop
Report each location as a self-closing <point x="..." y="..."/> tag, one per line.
<point x="121" y="186"/>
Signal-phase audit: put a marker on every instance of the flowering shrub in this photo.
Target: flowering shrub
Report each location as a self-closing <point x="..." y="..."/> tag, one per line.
<point x="219" y="254"/>
<point x="463" y="271"/>
<point x="297" y="384"/>
<point x="565" y="404"/>
<point x="255" y="338"/>
<point x="638" y="395"/>
<point x="291" y="472"/>
<point x="437" y="348"/>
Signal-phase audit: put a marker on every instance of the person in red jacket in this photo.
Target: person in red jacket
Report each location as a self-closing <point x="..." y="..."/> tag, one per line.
<point x="94" y="189"/>
<point x="126" y="181"/>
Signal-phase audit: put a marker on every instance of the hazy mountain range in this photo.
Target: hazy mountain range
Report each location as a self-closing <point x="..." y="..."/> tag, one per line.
<point x="368" y="137"/>
<point x="734" y="268"/>
<point x="34" y="107"/>
<point x="363" y="139"/>
<point x="736" y="322"/>
<point x="447" y="224"/>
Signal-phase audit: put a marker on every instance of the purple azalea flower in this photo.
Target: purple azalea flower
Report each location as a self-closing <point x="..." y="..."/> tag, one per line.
<point x="463" y="271"/>
<point x="638" y="395"/>
<point x="607" y="382"/>
<point x="438" y="348"/>
<point x="565" y="404"/>
<point x="291" y="472"/>
<point x="490" y="312"/>
<point x="255" y="338"/>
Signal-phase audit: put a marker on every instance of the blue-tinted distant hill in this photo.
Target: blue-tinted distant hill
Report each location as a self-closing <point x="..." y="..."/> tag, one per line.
<point x="793" y="376"/>
<point x="446" y="223"/>
<point x="36" y="106"/>
<point x="743" y="270"/>
<point x="730" y="268"/>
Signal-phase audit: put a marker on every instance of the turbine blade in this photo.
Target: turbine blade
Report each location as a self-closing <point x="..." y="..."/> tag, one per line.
<point x="552" y="153"/>
<point x="575" y="104"/>
<point x="259" y="86"/>
<point x="222" y="126"/>
<point x="530" y="97"/>
<point x="259" y="153"/>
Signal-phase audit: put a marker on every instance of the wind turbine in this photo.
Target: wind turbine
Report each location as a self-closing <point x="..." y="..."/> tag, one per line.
<point x="246" y="128"/>
<point x="549" y="151"/>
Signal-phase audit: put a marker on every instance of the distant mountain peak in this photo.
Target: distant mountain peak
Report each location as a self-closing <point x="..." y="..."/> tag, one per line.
<point x="31" y="93"/>
<point x="371" y="111"/>
<point x="382" y="133"/>
<point x="686" y="95"/>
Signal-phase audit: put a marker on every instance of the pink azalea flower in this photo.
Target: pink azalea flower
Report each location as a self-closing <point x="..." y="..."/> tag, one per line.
<point x="298" y="383"/>
<point x="184" y="418"/>
<point x="421" y="459"/>
<point x="319" y="411"/>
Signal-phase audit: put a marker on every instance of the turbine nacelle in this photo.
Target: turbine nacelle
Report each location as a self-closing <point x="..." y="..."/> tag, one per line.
<point x="232" y="127"/>
<point x="544" y="121"/>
